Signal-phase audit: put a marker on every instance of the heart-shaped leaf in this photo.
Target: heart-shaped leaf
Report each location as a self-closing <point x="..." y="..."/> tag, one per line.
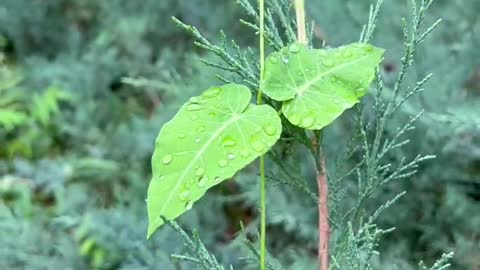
<point x="318" y="85"/>
<point x="212" y="137"/>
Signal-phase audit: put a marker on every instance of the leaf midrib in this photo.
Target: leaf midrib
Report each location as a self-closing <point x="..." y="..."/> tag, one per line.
<point x="198" y="155"/>
<point x="303" y="88"/>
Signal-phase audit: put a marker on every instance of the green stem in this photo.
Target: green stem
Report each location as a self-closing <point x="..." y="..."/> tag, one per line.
<point x="263" y="195"/>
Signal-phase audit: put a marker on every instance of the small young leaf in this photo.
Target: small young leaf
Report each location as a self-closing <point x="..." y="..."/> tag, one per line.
<point x="318" y="85"/>
<point x="212" y="137"/>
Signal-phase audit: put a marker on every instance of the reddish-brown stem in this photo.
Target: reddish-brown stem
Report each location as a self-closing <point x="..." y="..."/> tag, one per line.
<point x="321" y="170"/>
<point x="323" y="226"/>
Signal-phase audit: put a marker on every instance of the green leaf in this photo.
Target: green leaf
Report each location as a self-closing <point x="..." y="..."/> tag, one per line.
<point x="212" y="137"/>
<point x="9" y="119"/>
<point x="318" y="85"/>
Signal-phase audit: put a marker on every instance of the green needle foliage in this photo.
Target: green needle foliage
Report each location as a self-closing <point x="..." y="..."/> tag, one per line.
<point x="214" y="135"/>
<point x="316" y="86"/>
<point x="402" y="160"/>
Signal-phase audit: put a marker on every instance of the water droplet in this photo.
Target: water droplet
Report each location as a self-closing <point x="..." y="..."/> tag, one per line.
<point x="231" y="156"/>
<point x="200" y="129"/>
<point x="257" y="145"/>
<point x="294" y="119"/>
<point x="202" y="100"/>
<point x="258" y="129"/>
<point x="270" y="130"/>
<point x="195" y="107"/>
<point x="212" y="92"/>
<point x="202" y="181"/>
<point x="181" y="136"/>
<point x="222" y="163"/>
<point x="294" y="48"/>
<point x="337" y="101"/>
<point x="327" y="63"/>
<point x="197" y="140"/>
<point x="184" y="195"/>
<point x="369" y="48"/>
<point x="161" y="178"/>
<point x="188" y="205"/>
<point x="228" y="142"/>
<point x="194" y="117"/>
<point x="285" y="60"/>
<point x="200" y="171"/>
<point x="307" y="121"/>
<point x="273" y="59"/>
<point x="334" y="79"/>
<point x="193" y="100"/>
<point x="167" y="159"/>
<point x="216" y="180"/>
<point x="244" y="153"/>
<point x="347" y="53"/>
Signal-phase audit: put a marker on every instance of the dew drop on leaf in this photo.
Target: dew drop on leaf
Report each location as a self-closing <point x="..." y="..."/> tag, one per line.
<point x="258" y="129"/>
<point x="307" y="121"/>
<point x="270" y="130"/>
<point x="193" y="100"/>
<point x="222" y="163"/>
<point x="256" y="145"/>
<point x="195" y="107"/>
<point x="216" y="180"/>
<point x="244" y="153"/>
<point x="231" y="156"/>
<point x="200" y="129"/>
<point x="294" y="119"/>
<point x="274" y="60"/>
<point x="333" y="79"/>
<point x="167" y="159"/>
<point x="200" y="172"/>
<point x="197" y="140"/>
<point x="228" y="142"/>
<point x="212" y="92"/>
<point x="184" y="195"/>
<point x="202" y="181"/>
<point x="347" y="53"/>
<point x="188" y="205"/>
<point x="327" y="63"/>
<point x="294" y="48"/>
<point x="181" y="136"/>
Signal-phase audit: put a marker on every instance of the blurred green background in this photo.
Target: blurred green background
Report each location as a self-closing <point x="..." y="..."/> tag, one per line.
<point x="85" y="86"/>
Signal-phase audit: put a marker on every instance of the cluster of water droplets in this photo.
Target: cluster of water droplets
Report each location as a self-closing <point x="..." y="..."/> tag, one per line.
<point x="255" y="142"/>
<point x="235" y="148"/>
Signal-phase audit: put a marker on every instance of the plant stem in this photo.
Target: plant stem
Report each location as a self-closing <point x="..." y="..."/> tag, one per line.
<point x="301" y="27"/>
<point x="263" y="195"/>
<point x="323" y="225"/>
<point x="320" y="170"/>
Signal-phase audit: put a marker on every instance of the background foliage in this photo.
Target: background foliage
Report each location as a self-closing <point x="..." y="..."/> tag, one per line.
<point x="85" y="86"/>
